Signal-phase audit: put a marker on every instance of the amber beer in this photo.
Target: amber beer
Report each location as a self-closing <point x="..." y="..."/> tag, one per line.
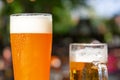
<point x="31" y="42"/>
<point x="88" y="62"/>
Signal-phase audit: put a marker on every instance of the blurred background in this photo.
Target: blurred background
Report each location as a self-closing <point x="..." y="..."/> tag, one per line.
<point x="74" y="21"/>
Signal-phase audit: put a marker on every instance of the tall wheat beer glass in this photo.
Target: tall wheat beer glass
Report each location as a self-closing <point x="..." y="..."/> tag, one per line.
<point x="88" y="62"/>
<point x="31" y="42"/>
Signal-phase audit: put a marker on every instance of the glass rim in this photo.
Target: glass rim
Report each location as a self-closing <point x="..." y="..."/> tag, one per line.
<point x="31" y="14"/>
<point x="89" y="44"/>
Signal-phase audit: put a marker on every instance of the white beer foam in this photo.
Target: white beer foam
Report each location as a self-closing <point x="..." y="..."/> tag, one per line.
<point x="31" y="23"/>
<point x="89" y="54"/>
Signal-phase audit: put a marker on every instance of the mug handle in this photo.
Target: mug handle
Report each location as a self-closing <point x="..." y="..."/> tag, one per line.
<point x="102" y="71"/>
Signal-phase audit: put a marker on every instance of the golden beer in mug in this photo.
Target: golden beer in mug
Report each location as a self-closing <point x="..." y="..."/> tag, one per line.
<point x="31" y="43"/>
<point x="88" y="62"/>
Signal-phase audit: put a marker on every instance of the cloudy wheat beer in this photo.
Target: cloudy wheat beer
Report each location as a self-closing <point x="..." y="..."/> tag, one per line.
<point x="88" y="62"/>
<point x="31" y="42"/>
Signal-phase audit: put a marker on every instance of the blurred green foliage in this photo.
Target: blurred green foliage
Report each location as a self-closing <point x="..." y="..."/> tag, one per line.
<point x="59" y="8"/>
<point x="92" y="27"/>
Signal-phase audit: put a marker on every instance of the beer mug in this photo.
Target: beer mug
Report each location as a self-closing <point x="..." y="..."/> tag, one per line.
<point x="88" y="61"/>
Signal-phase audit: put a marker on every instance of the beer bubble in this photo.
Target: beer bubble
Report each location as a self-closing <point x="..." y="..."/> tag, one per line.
<point x="95" y="42"/>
